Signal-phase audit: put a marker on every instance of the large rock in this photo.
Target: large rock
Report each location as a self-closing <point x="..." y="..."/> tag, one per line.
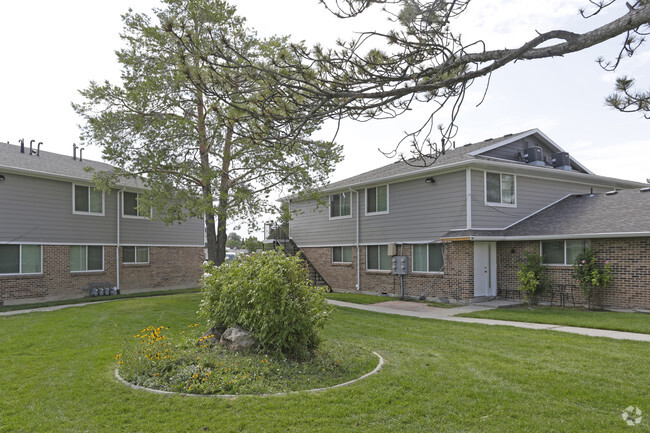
<point x="237" y="338"/>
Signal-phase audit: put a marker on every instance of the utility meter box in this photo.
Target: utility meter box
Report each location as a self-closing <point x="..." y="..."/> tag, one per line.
<point x="400" y="265"/>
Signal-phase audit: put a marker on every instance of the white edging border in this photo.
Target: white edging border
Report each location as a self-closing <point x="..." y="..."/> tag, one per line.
<point x="379" y="366"/>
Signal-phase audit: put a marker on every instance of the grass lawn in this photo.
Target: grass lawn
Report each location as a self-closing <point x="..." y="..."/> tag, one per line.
<point x="359" y="298"/>
<point x="57" y="375"/>
<point x="629" y="322"/>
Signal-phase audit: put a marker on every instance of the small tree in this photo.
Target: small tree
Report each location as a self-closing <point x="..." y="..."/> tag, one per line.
<point x="532" y="277"/>
<point x="270" y="295"/>
<point x="590" y="275"/>
<point x="234" y="241"/>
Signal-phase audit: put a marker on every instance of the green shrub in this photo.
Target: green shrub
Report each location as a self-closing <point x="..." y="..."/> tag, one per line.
<point x="590" y="275"/>
<point x="270" y="295"/>
<point x="532" y="277"/>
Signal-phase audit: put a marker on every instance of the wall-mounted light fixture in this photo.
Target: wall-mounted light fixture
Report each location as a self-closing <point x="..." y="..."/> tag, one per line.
<point x="429" y="180"/>
<point x="2" y="177"/>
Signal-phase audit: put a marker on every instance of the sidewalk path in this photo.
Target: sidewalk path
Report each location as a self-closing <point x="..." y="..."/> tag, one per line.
<point x="416" y="309"/>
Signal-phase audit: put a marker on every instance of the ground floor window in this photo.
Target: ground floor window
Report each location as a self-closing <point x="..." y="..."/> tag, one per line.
<point x="86" y="258"/>
<point x="428" y="258"/>
<point x="20" y="259"/>
<point x="561" y="252"/>
<point x="377" y="258"/>
<point x="341" y="254"/>
<point x="135" y="254"/>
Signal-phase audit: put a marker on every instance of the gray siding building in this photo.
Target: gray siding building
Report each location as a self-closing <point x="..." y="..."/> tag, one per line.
<point x="452" y="217"/>
<point x="59" y="235"/>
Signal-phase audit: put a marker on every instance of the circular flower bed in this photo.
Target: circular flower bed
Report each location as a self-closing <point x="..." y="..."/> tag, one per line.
<point x="183" y="361"/>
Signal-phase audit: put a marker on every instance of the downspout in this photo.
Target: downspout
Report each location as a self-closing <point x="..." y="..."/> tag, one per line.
<point x="117" y="248"/>
<point x="357" y="244"/>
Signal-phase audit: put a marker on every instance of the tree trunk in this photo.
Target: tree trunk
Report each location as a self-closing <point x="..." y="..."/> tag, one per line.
<point x="222" y="206"/>
<point x="206" y="187"/>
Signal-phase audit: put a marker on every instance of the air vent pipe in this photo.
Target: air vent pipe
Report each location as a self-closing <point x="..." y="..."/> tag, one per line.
<point x="38" y="149"/>
<point x="22" y="145"/>
<point x="31" y="147"/>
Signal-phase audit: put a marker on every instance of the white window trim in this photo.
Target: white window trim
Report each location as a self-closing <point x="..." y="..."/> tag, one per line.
<point x="329" y="208"/>
<point x="428" y="271"/>
<point x="136" y="254"/>
<point x="383" y="212"/>
<point x="90" y="270"/>
<point x="20" y="263"/>
<point x="342" y="246"/>
<point x="76" y="212"/>
<point x="485" y="188"/>
<point x="378" y="258"/>
<point x="135" y="217"/>
<point x="564" y="241"/>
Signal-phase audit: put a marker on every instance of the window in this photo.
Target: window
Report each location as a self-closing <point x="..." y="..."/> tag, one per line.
<point x="87" y="200"/>
<point x="428" y="258"/>
<point x="500" y="189"/>
<point x="20" y="259"/>
<point x="377" y="199"/>
<point x="341" y="254"/>
<point x="377" y="258"/>
<point x="561" y="252"/>
<point x="130" y="205"/>
<point x="339" y="205"/>
<point x="135" y="254"/>
<point x="86" y="258"/>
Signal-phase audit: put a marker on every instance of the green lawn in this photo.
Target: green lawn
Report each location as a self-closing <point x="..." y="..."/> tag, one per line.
<point x="57" y="375"/>
<point x="359" y="298"/>
<point x="629" y="322"/>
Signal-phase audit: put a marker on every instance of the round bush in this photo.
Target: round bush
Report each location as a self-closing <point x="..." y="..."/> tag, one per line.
<point x="270" y="295"/>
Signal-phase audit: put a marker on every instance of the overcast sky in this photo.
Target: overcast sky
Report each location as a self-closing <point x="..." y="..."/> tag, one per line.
<point x="50" y="50"/>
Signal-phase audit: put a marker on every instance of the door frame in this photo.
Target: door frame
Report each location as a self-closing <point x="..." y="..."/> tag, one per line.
<point x="485" y="269"/>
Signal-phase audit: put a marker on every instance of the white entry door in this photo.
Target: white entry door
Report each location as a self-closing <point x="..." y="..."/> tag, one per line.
<point x="485" y="268"/>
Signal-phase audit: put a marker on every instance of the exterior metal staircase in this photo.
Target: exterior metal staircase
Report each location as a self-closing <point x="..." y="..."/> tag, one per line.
<point x="277" y="236"/>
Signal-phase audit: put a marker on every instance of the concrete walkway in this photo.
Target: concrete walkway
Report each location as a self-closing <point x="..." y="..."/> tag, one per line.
<point x="416" y="309"/>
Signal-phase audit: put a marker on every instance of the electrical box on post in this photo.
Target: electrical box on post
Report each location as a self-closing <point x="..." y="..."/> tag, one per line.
<point x="400" y="265"/>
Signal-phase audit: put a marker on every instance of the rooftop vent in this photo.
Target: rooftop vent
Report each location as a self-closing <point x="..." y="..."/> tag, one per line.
<point x="611" y="192"/>
<point x="534" y="156"/>
<point x="646" y="189"/>
<point x="562" y="161"/>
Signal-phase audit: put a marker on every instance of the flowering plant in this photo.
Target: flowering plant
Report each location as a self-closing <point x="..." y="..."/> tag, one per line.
<point x="590" y="275"/>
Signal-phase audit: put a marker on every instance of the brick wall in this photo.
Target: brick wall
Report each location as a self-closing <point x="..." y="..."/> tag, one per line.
<point x="629" y="258"/>
<point x="456" y="283"/>
<point x="169" y="267"/>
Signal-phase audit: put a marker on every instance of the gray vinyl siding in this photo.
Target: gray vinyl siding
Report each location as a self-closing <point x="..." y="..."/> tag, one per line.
<point x="154" y="232"/>
<point x="417" y="212"/>
<point x="312" y="225"/>
<point x="533" y="194"/>
<point x="36" y="210"/>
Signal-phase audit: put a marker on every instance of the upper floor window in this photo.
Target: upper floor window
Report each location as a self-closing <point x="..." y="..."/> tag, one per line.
<point x="562" y="252"/>
<point x="340" y="205"/>
<point x="135" y="254"/>
<point x="377" y="199"/>
<point x="341" y="254"/>
<point x="500" y="189"/>
<point x="87" y="200"/>
<point x="20" y="259"/>
<point x="86" y="258"/>
<point x="377" y="258"/>
<point x="428" y="258"/>
<point x="130" y="205"/>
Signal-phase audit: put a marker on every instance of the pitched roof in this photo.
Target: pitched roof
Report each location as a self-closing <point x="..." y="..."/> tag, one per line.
<point x="54" y="165"/>
<point x="620" y="212"/>
<point x="412" y="166"/>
